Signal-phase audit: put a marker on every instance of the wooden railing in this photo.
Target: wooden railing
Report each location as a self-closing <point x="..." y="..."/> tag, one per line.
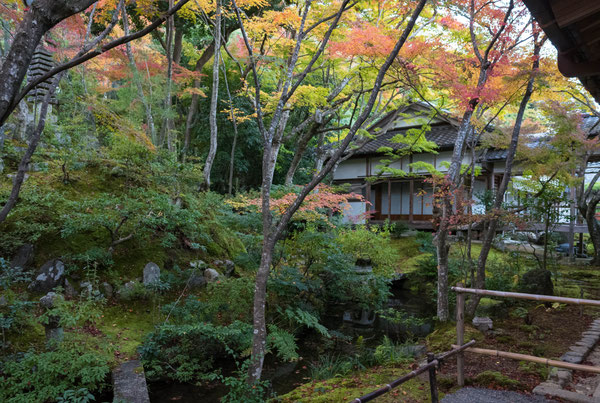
<point x="433" y="363"/>
<point x="460" y="329"/>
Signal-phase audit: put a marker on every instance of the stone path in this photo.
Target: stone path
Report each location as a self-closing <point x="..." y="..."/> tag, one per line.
<point x="560" y="382"/>
<point x="478" y="395"/>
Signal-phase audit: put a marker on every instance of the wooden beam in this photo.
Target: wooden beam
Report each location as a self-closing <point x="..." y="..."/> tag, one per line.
<point x="534" y="297"/>
<point x="531" y="358"/>
<point x="460" y="335"/>
<point x="568" y="12"/>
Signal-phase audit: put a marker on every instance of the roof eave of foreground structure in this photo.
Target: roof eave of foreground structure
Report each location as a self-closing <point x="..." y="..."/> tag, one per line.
<point x="572" y="26"/>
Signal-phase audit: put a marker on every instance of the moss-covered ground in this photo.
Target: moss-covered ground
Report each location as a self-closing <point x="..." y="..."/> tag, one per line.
<point x="358" y="384"/>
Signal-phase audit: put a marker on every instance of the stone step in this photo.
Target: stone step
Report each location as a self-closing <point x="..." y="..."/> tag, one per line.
<point x="552" y="390"/>
<point x="129" y="383"/>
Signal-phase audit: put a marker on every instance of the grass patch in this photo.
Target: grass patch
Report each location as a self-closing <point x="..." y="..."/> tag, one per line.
<point x="127" y="325"/>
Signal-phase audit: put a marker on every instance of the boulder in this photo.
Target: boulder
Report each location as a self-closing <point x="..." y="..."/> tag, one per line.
<point x="117" y="171"/>
<point x="537" y="281"/>
<point x="23" y="258"/>
<point x="53" y="330"/>
<point x="125" y="289"/>
<point x="47" y="301"/>
<point x="70" y="291"/>
<point x="107" y="290"/>
<point x="211" y="275"/>
<point x="49" y="276"/>
<point x="13" y="176"/>
<point x="197" y="264"/>
<point x="484" y="325"/>
<point x="151" y="273"/>
<point x="86" y="288"/>
<point x="229" y="268"/>
<point x="196" y="281"/>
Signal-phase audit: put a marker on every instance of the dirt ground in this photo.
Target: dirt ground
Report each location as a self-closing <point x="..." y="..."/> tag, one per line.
<point x="546" y="332"/>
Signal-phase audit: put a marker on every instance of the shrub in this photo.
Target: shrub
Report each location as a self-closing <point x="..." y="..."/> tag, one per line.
<point x="188" y="353"/>
<point x="47" y="376"/>
<point x="371" y="244"/>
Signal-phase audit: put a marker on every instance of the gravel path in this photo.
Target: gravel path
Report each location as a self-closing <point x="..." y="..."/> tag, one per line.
<point x="477" y="395"/>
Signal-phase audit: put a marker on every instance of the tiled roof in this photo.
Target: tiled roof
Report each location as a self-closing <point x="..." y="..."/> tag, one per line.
<point x="591" y="125"/>
<point x="443" y="135"/>
<point x="494" y="155"/>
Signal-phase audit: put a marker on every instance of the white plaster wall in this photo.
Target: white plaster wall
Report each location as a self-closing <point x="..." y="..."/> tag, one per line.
<point x="351" y="168"/>
<point x="405" y="198"/>
<point x="479" y="187"/>
<point x="355" y="214"/>
<point x="425" y="157"/>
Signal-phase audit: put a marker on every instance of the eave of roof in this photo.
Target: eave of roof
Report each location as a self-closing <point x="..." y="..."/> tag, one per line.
<point x="572" y="26"/>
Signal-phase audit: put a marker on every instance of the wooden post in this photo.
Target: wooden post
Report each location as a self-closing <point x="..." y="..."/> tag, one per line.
<point x="432" y="379"/>
<point x="460" y="335"/>
<point x="389" y="200"/>
<point x="410" y="201"/>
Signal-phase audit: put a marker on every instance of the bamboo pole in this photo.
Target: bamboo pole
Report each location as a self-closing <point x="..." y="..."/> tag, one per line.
<point x="531" y="358"/>
<point x="460" y="335"/>
<point x="412" y="374"/>
<point x="535" y="297"/>
<point x="432" y="379"/>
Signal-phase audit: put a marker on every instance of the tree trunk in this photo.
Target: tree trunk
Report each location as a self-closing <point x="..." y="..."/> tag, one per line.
<point x="42" y="16"/>
<point x="168" y="123"/>
<point x="589" y="213"/>
<point x="490" y="232"/>
<point x="298" y="153"/>
<point x="212" y="117"/>
<point x="546" y="234"/>
<point x="235" y="131"/>
<point x="441" y="237"/>
<point x="206" y="55"/>
<point x="150" y="130"/>
<point x="270" y="152"/>
<point x="26" y="159"/>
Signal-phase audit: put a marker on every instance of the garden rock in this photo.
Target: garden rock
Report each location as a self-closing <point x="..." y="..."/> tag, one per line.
<point x="229" y="268"/>
<point x="537" y="281"/>
<point x="196" y="281"/>
<point x="107" y="290"/>
<point x="23" y="258"/>
<point x="13" y="176"/>
<point x="484" y="325"/>
<point x="49" y="276"/>
<point x="70" y="291"/>
<point x="86" y="287"/>
<point x="47" y="301"/>
<point x="125" y="289"/>
<point x="197" y="264"/>
<point x="117" y="171"/>
<point x="151" y="273"/>
<point x="54" y="332"/>
<point x="211" y="275"/>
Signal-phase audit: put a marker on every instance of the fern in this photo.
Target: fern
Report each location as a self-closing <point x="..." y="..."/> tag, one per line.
<point x="307" y="319"/>
<point x="284" y="342"/>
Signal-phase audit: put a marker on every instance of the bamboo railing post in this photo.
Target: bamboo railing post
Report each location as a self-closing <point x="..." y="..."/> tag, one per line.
<point x="432" y="379"/>
<point x="460" y="335"/>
